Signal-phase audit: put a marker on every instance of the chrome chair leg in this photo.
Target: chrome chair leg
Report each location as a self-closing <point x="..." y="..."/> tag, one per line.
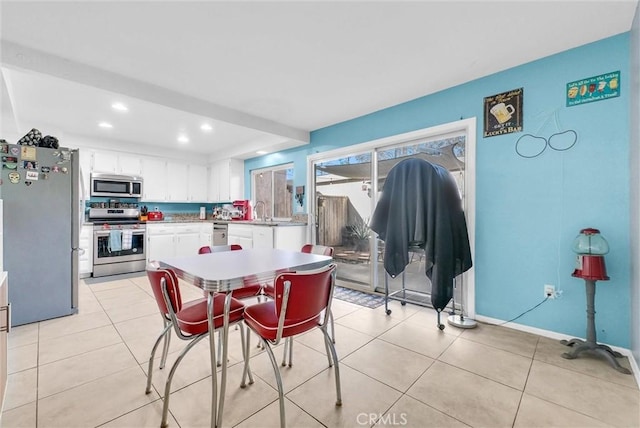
<point x="334" y="354"/>
<point x="276" y="370"/>
<point x="153" y="354"/>
<point x="333" y="327"/>
<point x="167" y="387"/>
<point x="284" y="352"/>
<point x="167" y="342"/>
<point x="219" y="358"/>
<point x="245" y="355"/>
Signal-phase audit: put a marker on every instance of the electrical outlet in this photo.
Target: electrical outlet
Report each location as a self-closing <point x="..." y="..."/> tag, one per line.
<point x="550" y="291"/>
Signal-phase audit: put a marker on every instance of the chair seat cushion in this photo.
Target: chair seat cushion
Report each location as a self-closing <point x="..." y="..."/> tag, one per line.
<point x="192" y="319"/>
<point x="263" y="320"/>
<point x="270" y="291"/>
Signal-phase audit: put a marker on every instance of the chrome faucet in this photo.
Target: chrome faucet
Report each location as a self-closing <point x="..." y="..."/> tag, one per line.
<point x="264" y="209"/>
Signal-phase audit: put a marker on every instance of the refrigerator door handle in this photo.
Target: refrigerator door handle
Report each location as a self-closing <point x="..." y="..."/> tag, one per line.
<point x="80" y="251"/>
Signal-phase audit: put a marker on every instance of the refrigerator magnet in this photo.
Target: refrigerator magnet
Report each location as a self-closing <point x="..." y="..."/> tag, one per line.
<point x="15" y="150"/>
<point x="32" y="175"/>
<point x="28" y="153"/>
<point x="45" y="169"/>
<point x="14" y="177"/>
<point x="30" y="165"/>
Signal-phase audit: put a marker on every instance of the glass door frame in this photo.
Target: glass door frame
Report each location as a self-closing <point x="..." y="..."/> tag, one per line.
<point x="466" y="126"/>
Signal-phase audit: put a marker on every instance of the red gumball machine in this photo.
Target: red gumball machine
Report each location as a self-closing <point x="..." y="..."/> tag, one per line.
<point x="591" y="248"/>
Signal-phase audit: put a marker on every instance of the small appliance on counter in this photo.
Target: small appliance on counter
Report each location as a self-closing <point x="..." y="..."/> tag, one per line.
<point x="241" y="210"/>
<point x="155" y="216"/>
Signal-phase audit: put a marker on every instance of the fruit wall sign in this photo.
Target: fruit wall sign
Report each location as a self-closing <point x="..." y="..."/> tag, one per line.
<point x="596" y="88"/>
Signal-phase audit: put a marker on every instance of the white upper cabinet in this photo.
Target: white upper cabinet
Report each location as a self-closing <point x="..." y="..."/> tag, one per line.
<point x="177" y="187"/>
<point x="197" y="183"/>
<point x="105" y="162"/>
<point x="154" y="174"/>
<point x="226" y="180"/>
<point x="116" y="163"/>
<point x="129" y="165"/>
<point x="167" y="179"/>
<point x="85" y="172"/>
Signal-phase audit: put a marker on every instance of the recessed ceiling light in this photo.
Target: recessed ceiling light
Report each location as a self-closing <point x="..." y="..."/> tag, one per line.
<point x="183" y="139"/>
<point x="206" y="127"/>
<point x="119" y="107"/>
<point x="105" y="125"/>
<point x="262" y="152"/>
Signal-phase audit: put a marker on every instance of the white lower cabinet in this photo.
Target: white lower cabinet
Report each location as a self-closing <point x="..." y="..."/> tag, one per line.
<point x="290" y="237"/>
<point x="85" y="256"/>
<point x="241" y="234"/>
<point x="259" y="236"/>
<point x="262" y="236"/>
<point x="176" y="239"/>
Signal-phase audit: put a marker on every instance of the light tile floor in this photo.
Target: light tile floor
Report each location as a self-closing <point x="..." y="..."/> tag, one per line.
<point x="89" y="370"/>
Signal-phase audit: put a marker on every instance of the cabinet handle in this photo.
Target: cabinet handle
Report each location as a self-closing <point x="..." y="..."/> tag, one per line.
<point x="7" y="326"/>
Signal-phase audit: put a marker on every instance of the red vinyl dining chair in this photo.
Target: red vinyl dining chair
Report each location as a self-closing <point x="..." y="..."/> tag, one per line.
<point x="251" y="288"/>
<point x="302" y="300"/>
<point x="189" y="322"/>
<point x="269" y="291"/>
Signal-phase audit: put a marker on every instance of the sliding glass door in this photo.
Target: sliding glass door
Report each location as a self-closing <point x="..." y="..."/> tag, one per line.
<point x="343" y="209"/>
<point x="347" y="184"/>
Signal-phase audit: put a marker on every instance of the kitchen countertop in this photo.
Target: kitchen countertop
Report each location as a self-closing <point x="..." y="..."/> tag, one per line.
<point x="247" y="222"/>
<point x="195" y="219"/>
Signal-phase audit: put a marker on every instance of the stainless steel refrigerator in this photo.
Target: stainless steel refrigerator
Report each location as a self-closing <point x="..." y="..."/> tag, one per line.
<point x="41" y="218"/>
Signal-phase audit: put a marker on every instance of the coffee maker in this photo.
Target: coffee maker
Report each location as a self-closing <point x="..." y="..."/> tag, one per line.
<point x="242" y="210"/>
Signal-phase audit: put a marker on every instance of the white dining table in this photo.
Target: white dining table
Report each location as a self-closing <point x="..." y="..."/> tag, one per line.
<point x="222" y="272"/>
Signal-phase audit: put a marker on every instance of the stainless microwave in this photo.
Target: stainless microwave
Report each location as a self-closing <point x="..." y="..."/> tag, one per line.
<point x="110" y="185"/>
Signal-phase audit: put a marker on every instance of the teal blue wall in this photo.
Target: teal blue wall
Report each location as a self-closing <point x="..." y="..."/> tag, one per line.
<point x="528" y="211"/>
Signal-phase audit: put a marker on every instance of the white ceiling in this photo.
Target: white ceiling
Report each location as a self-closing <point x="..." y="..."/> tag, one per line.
<point x="264" y="74"/>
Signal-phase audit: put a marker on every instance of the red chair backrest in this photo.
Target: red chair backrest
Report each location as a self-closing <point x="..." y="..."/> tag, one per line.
<point x="173" y="290"/>
<point x="204" y="250"/>
<point x="317" y="249"/>
<point x="220" y="248"/>
<point x="309" y="293"/>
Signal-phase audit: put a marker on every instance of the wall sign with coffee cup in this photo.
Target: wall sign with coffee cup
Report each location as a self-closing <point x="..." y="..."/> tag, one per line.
<point x="503" y="113"/>
<point x="594" y="88"/>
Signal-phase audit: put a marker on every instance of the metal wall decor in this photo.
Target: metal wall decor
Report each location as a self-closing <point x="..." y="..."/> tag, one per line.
<point x="531" y="146"/>
<point x="596" y="88"/>
<point x="503" y="113"/>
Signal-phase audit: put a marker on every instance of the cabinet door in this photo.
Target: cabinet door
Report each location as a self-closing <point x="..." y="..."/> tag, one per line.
<point x="160" y="246"/>
<point x="187" y="244"/>
<point x="85" y="172"/>
<point x="214" y="184"/>
<point x="236" y="179"/>
<point x="197" y="183"/>
<point x="177" y="182"/>
<point x="129" y="164"/>
<point x="206" y="235"/>
<point x="105" y="162"/>
<point x="289" y="237"/>
<point x="262" y="237"/>
<point x="224" y="179"/>
<point x="154" y="173"/>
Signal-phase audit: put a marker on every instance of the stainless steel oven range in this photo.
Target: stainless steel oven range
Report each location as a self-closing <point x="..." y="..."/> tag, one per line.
<point x="119" y="241"/>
